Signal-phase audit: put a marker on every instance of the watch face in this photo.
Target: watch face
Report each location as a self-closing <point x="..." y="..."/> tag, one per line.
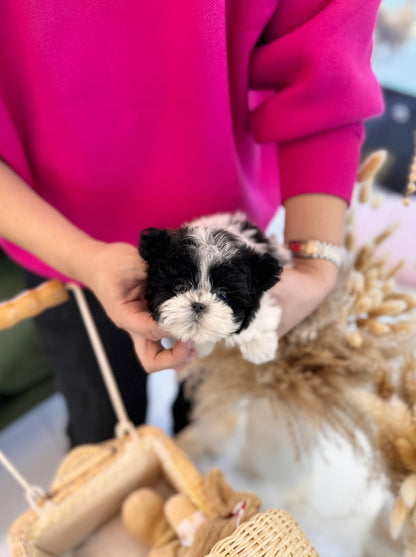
<point x="294" y="246"/>
<point x="305" y="248"/>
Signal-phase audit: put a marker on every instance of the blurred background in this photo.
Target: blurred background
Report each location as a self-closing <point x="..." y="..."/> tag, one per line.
<point x="32" y="415"/>
<point x="394" y="62"/>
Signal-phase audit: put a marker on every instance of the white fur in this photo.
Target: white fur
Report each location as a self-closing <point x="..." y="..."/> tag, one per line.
<point x="231" y="222"/>
<point x="209" y="250"/>
<point x="258" y="343"/>
<point x="215" y="323"/>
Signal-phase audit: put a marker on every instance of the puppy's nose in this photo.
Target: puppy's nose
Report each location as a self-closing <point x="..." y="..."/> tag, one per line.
<point x="198" y="307"/>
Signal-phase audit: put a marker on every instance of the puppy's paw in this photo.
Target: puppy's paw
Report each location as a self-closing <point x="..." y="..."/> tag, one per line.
<point x="204" y="349"/>
<point x="260" y="350"/>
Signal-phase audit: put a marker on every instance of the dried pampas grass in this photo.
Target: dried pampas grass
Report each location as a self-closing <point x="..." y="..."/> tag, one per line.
<point x="411" y="184"/>
<point x="392" y="422"/>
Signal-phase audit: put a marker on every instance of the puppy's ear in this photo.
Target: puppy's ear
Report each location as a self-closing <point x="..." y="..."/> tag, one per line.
<point x="153" y="243"/>
<point x="266" y="272"/>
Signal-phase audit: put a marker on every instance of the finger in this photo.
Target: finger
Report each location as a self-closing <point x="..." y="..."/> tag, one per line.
<point x="174" y="358"/>
<point x="155" y="358"/>
<point x="141" y="323"/>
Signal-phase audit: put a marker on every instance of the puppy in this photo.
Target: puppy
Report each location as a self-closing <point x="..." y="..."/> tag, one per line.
<point x="209" y="281"/>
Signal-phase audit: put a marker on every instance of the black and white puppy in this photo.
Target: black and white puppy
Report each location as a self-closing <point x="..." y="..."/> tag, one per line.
<point x="209" y="281"/>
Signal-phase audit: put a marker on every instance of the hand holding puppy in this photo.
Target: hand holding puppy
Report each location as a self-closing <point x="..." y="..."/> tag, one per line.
<point x="199" y="311"/>
<point x="116" y="274"/>
<point x="302" y="289"/>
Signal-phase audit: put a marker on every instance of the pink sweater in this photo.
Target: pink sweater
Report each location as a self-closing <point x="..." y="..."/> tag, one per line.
<point x="126" y="114"/>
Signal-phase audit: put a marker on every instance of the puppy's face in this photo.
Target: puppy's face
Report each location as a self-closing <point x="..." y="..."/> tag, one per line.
<point x="203" y="284"/>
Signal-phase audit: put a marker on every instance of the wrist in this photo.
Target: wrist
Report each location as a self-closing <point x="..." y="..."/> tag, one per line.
<point x="321" y="270"/>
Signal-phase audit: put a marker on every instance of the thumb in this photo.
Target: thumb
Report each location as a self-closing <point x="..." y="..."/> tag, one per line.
<point x="138" y="321"/>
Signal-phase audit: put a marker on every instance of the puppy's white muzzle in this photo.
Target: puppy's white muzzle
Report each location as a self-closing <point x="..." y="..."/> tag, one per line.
<point x="197" y="315"/>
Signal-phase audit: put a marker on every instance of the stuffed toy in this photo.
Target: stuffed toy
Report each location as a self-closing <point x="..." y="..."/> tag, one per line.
<point x="154" y="522"/>
<point x="175" y="527"/>
<point x="143" y="517"/>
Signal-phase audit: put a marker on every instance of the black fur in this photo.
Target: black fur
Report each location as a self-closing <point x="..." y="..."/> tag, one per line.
<point x="243" y="279"/>
<point x="171" y="265"/>
<point x="153" y="243"/>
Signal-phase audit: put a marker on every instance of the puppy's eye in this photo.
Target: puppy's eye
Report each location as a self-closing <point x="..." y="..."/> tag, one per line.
<point x="222" y="294"/>
<point x="180" y="286"/>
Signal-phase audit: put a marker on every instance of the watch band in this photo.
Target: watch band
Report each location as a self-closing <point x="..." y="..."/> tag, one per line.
<point x="314" y="249"/>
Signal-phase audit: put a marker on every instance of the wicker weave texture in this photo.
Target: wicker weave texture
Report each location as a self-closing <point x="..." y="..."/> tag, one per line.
<point x="84" y="462"/>
<point x="273" y="533"/>
<point x="18" y="535"/>
<point x="80" y="471"/>
<point x="179" y="470"/>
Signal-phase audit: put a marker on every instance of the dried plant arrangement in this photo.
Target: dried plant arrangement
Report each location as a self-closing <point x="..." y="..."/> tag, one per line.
<point x="391" y="418"/>
<point x="349" y="368"/>
<point x="411" y="183"/>
<point x="390" y="414"/>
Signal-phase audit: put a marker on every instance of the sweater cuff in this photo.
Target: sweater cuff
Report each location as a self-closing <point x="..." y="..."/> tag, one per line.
<point x="323" y="163"/>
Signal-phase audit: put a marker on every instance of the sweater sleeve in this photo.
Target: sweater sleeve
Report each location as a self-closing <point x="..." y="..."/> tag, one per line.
<point x="315" y="57"/>
<point x="12" y="150"/>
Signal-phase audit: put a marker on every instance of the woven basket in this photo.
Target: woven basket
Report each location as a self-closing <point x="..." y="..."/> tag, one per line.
<point x="93" y="480"/>
<point x="270" y="533"/>
<point x="91" y="484"/>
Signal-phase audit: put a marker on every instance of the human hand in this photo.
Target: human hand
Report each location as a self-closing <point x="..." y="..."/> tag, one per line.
<point x="116" y="274"/>
<point x="301" y="290"/>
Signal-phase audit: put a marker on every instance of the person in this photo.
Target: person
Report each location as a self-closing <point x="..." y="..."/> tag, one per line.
<point x="117" y="116"/>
